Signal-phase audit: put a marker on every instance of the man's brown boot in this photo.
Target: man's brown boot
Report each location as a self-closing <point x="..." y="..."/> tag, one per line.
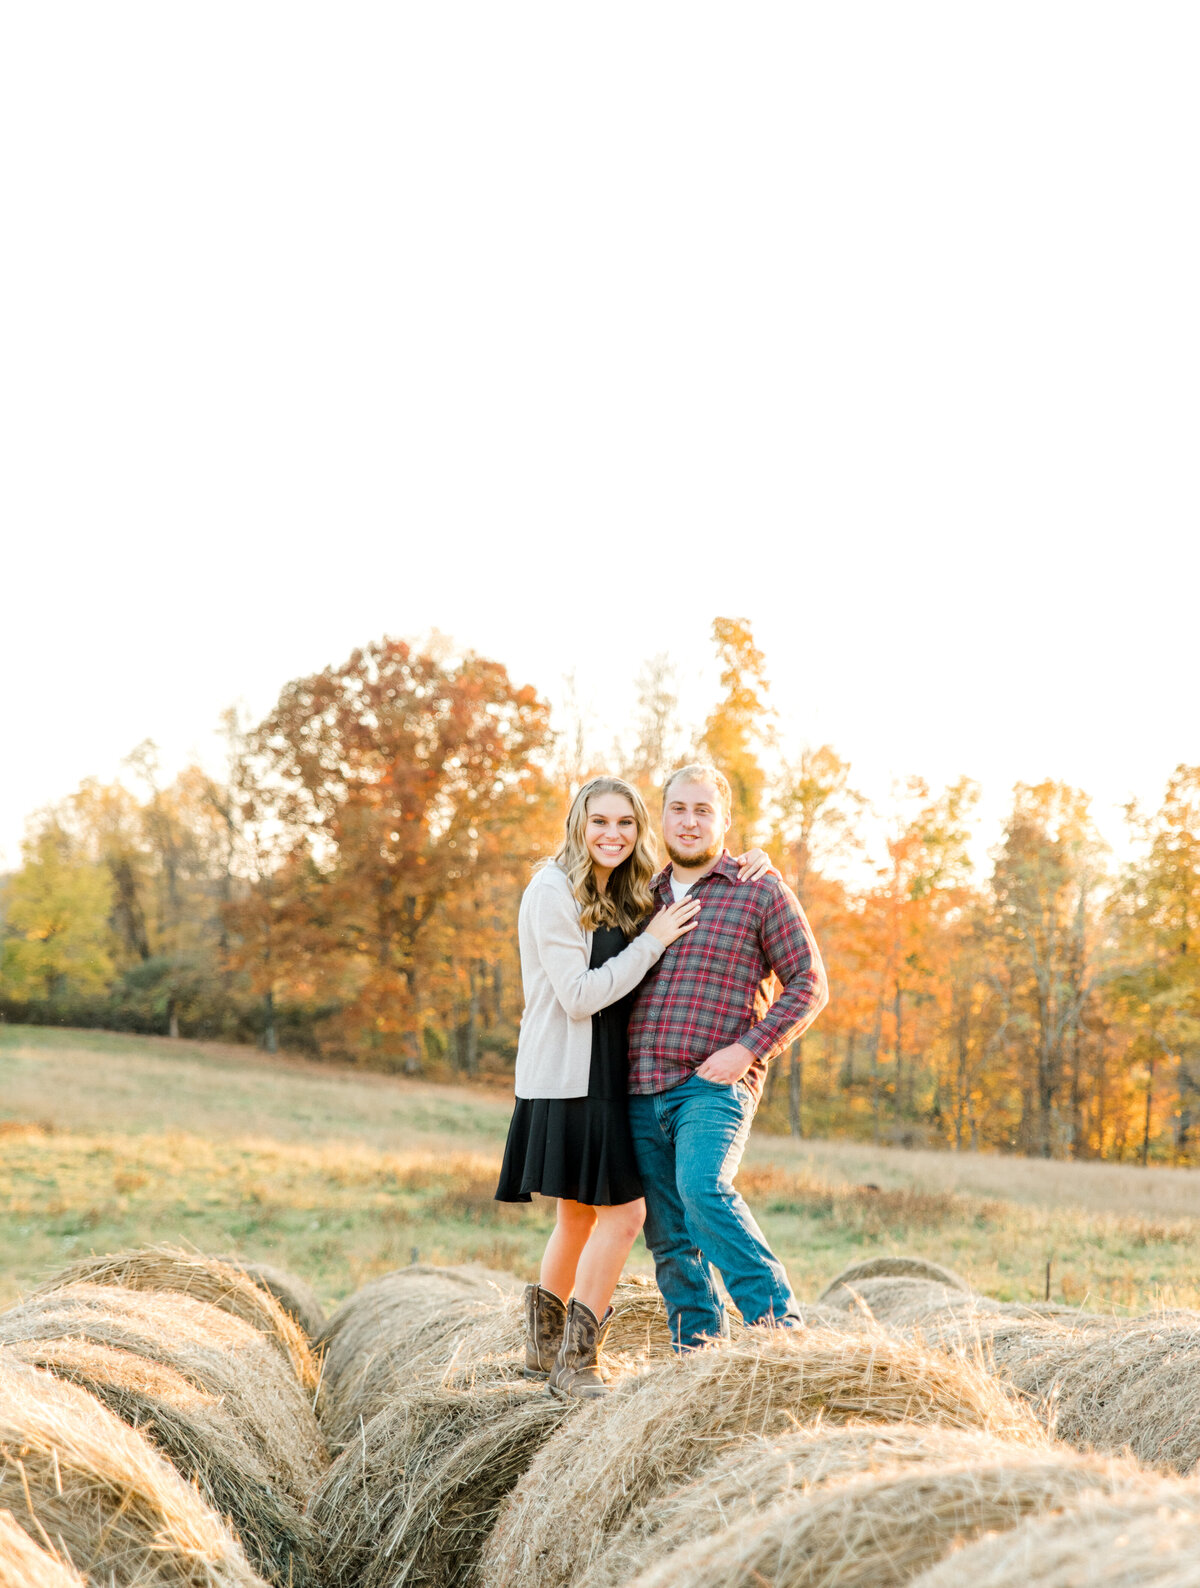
<point x="545" y="1319"/>
<point x="576" y="1372"/>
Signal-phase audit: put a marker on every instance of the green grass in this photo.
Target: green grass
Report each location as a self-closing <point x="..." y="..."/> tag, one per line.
<point x="109" y="1141"/>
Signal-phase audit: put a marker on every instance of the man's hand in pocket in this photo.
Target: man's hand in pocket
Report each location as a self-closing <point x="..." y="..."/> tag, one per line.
<point x="726" y="1065"/>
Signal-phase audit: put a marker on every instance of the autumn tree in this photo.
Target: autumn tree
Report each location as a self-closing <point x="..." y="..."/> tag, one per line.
<point x="816" y="822"/>
<point x="1155" y="992"/>
<point x="661" y="743"/>
<point x="739" y="724"/>
<point x="105" y="825"/>
<point x="393" y="773"/>
<point x="56" y="936"/>
<point x="187" y="848"/>
<point x="1049" y="868"/>
<point x="922" y="883"/>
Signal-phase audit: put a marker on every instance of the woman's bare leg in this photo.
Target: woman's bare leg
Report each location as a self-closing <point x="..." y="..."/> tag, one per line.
<point x="602" y="1259"/>
<point x="573" y="1224"/>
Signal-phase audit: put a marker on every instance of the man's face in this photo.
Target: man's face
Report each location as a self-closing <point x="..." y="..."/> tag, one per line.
<point x="694" y="823"/>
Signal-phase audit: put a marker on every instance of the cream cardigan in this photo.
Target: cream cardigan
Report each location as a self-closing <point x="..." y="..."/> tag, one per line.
<point x="554" y="1051"/>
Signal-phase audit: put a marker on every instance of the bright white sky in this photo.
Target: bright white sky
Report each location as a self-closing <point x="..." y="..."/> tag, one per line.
<point x="563" y="328"/>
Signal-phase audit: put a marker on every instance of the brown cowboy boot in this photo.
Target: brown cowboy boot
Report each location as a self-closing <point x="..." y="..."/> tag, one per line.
<point x="576" y="1373"/>
<point x="545" y="1318"/>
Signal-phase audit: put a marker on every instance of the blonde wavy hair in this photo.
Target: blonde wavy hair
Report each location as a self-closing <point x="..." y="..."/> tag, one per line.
<point x="627" y="900"/>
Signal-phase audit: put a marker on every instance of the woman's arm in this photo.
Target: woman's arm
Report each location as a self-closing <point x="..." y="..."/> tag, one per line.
<point x="562" y="951"/>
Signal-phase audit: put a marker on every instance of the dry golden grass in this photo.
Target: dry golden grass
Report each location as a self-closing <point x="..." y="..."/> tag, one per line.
<point x="1157" y="1196"/>
<point x="223" y="1092"/>
<point x="115" y="1141"/>
<point x="658" y="1429"/>
<point x="84" y="1485"/>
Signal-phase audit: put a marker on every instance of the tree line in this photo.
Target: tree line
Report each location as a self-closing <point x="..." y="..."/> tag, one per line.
<point x="349" y="888"/>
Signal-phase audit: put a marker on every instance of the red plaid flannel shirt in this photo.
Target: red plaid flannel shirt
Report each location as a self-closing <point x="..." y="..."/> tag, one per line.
<point x="713" y="986"/>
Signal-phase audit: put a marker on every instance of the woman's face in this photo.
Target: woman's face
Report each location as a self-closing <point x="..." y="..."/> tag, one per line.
<point x="610" y="830"/>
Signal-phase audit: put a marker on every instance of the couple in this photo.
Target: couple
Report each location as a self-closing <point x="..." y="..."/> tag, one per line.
<point x="644" y="1043"/>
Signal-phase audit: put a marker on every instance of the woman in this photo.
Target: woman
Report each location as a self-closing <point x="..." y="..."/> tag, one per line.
<point x="583" y="953"/>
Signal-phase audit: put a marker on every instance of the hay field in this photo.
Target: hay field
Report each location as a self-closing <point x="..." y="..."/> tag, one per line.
<point x="111" y="1141"/>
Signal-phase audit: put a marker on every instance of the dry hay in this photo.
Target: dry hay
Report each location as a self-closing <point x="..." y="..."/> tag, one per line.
<point x="372" y="1341"/>
<point x="24" y="1564"/>
<point x="757" y="1472"/>
<point x="85" y="1486"/>
<point x="1147" y="1539"/>
<point x="907" y="1303"/>
<point x="216" y="1352"/>
<point x="295" y="1295"/>
<point x="201" y="1440"/>
<point x="1101" y="1383"/>
<point x="491" y="1345"/>
<point x="1132" y="1383"/>
<point x="203" y="1279"/>
<point x="659" y="1429"/>
<point x="412" y="1499"/>
<point x="896" y="1266"/>
<point x="880" y="1529"/>
<point x="950" y="1313"/>
<point x="1010" y="1335"/>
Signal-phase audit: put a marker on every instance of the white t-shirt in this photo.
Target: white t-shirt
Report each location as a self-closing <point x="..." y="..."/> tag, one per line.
<point x="678" y="888"/>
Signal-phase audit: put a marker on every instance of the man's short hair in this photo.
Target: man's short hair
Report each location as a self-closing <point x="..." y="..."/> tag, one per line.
<point x="701" y="772"/>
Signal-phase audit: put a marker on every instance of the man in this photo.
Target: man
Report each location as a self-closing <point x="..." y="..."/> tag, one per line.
<point x="702" y="1033"/>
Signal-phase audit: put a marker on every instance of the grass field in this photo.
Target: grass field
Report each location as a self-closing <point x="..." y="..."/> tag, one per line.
<point x="109" y="1141"/>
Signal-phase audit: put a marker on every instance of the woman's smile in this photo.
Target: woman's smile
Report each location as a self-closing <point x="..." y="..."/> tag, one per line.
<point x="611" y="830"/>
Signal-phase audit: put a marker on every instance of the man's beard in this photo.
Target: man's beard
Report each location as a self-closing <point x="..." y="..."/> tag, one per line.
<point x="693" y="862"/>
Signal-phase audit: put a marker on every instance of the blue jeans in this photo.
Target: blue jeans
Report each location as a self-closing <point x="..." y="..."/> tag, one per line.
<point x="689" y="1143"/>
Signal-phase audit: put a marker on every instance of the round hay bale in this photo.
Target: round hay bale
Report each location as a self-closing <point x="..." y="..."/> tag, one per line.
<point x="1147" y="1539"/>
<point x="79" y="1482"/>
<point x="195" y="1431"/>
<point x="1131" y="1382"/>
<point x="879" y="1530"/>
<point x="902" y="1302"/>
<point x="657" y="1430"/>
<point x="756" y="1473"/>
<point x="1007" y="1339"/>
<point x="894" y="1266"/>
<point x="24" y="1564"/>
<point x="415" y="1495"/>
<point x="216" y="1352"/>
<point x="295" y="1295"/>
<point x="372" y="1341"/>
<point x="1102" y="1383"/>
<point x="203" y="1279"/>
<point x="639" y="1321"/>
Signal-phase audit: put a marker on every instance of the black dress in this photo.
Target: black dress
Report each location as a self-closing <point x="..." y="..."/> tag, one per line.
<point x="580" y="1147"/>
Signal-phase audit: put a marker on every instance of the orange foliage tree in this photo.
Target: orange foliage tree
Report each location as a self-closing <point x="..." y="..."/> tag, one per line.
<point x="398" y="785"/>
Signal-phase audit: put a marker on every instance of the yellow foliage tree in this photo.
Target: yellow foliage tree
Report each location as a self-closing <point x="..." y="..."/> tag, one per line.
<point x="56" y="921"/>
<point x="738" y="725"/>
